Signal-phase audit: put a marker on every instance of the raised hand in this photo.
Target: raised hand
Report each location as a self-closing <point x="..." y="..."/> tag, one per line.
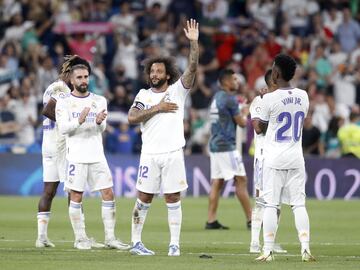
<point x="83" y="115"/>
<point x="165" y="106"/>
<point x="192" y="30"/>
<point x="101" y="116"/>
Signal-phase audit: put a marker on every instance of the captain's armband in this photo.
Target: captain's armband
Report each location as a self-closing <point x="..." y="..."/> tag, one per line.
<point x="138" y="105"/>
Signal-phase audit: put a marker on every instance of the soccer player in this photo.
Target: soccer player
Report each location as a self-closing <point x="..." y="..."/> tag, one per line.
<point x="160" y="111"/>
<point x="225" y="160"/>
<point x="53" y="158"/>
<point x="81" y="116"/>
<point x="258" y="210"/>
<point x="282" y="117"/>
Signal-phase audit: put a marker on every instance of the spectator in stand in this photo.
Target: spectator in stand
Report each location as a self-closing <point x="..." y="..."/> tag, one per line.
<point x="263" y="11"/>
<point x="26" y="115"/>
<point x="121" y="139"/>
<point x="125" y="20"/>
<point x="336" y="56"/>
<point x="121" y="100"/>
<point x="8" y="124"/>
<point x="273" y="48"/>
<point x="349" y="136"/>
<point x="330" y="144"/>
<point x="322" y="66"/>
<point x="348" y="32"/>
<point x="46" y="74"/>
<point x="332" y="19"/>
<point x="82" y="46"/>
<point x="285" y="39"/>
<point x="310" y="137"/>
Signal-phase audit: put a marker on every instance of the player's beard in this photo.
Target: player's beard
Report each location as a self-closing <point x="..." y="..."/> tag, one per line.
<point x="160" y="83"/>
<point x="81" y="88"/>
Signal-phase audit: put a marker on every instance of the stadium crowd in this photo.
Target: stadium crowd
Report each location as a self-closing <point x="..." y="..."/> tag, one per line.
<point x="116" y="36"/>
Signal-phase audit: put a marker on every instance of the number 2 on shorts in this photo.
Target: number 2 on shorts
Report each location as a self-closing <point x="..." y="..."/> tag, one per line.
<point x="71" y="169"/>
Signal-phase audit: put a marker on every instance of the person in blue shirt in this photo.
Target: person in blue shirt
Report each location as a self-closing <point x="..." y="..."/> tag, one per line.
<point x="225" y="160"/>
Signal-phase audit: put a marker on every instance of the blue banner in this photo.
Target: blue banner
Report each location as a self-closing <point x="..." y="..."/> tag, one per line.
<point x="326" y="178"/>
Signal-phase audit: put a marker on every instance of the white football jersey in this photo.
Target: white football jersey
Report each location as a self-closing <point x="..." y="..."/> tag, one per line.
<point x="53" y="141"/>
<point x="285" y="111"/>
<point x="255" y="113"/>
<point x="164" y="132"/>
<point x="83" y="142"/>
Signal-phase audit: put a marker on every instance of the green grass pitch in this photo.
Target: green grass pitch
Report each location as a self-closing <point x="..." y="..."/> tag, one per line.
<point x="335" y="237"/>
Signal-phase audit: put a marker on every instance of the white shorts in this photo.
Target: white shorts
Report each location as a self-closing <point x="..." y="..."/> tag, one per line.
<point x="226" y="165"/>
<point x="283" y="186"/>
<point x="162" y="172"/>
<point x="54" y="167"/>
<point x="258" y="172"/>
<point x="96" y="176"/>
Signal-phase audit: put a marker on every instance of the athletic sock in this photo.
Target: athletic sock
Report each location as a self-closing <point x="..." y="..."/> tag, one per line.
<point x="138" y="219"/>
<point x="303" y="226"/>
<point x="43" y="219"/>
<point x="174" y="220"/>
<point x="269" y="228"/>
<point x="108" y="211"/>
<point x="76" y="220"/>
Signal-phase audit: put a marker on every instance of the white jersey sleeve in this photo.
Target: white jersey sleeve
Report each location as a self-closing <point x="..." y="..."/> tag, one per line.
<point x="66" y="124"/>
<point x="256" y="108"/>
<point x="53" y="141"/>
<point x="264" y="114"/>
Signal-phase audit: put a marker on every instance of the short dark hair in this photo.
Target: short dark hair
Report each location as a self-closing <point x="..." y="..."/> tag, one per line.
<point x="286" y="65"/>
<point x="224" y="74"/>
<point x="170" y="68"/>
<point x="267" y="77"/>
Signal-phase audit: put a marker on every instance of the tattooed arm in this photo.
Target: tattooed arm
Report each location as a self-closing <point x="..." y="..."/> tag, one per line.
<point x="192" y="33"/>
<point x="138" y="114"/>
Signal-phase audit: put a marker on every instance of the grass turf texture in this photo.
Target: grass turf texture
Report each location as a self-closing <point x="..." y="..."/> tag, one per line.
<point x="335" y="237"/>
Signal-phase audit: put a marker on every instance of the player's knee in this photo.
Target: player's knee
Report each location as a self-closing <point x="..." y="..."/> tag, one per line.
<point x="241" y="180"/>
<point x="49" y="194"/>
<point x="107" y="194"/>
<point x="172" y="198"/>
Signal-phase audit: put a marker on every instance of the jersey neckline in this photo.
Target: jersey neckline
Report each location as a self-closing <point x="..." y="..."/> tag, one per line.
<point x="80" y="97"/>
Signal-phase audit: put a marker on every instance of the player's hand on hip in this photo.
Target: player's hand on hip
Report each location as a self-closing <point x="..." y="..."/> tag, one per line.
<point x="165" y="106"/>
<point x="192" y="30"/>
<point x="101" y="116"/>
<point x="83" y="115"/>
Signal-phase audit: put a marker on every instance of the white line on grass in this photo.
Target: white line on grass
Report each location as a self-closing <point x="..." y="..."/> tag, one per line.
<point x="212" y="243"/>
<point x="188" y="253"/>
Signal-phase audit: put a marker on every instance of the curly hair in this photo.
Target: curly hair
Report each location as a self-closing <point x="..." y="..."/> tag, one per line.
<point x="170" y="68"/>
<point x="287" y="66"/>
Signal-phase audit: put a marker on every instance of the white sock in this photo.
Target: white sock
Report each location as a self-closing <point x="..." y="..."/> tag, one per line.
<point x="303" y="226"/>
<point x="269" y="228"/>
<point x="43" y="219"/>
<point x="138" y="220"/>
<point x="76" y="220"/>
<point x="83" y="220"/>
<point x="174" y="220"/>
<point x="256" y="222"/>
<point x="108" y="216"/>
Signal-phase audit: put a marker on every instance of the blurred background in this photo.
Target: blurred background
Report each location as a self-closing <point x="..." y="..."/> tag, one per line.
<point x="245" y="35"/>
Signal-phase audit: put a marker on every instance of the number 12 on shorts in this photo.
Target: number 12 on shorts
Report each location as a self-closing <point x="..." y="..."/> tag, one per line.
<point x="143" y="171"/>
